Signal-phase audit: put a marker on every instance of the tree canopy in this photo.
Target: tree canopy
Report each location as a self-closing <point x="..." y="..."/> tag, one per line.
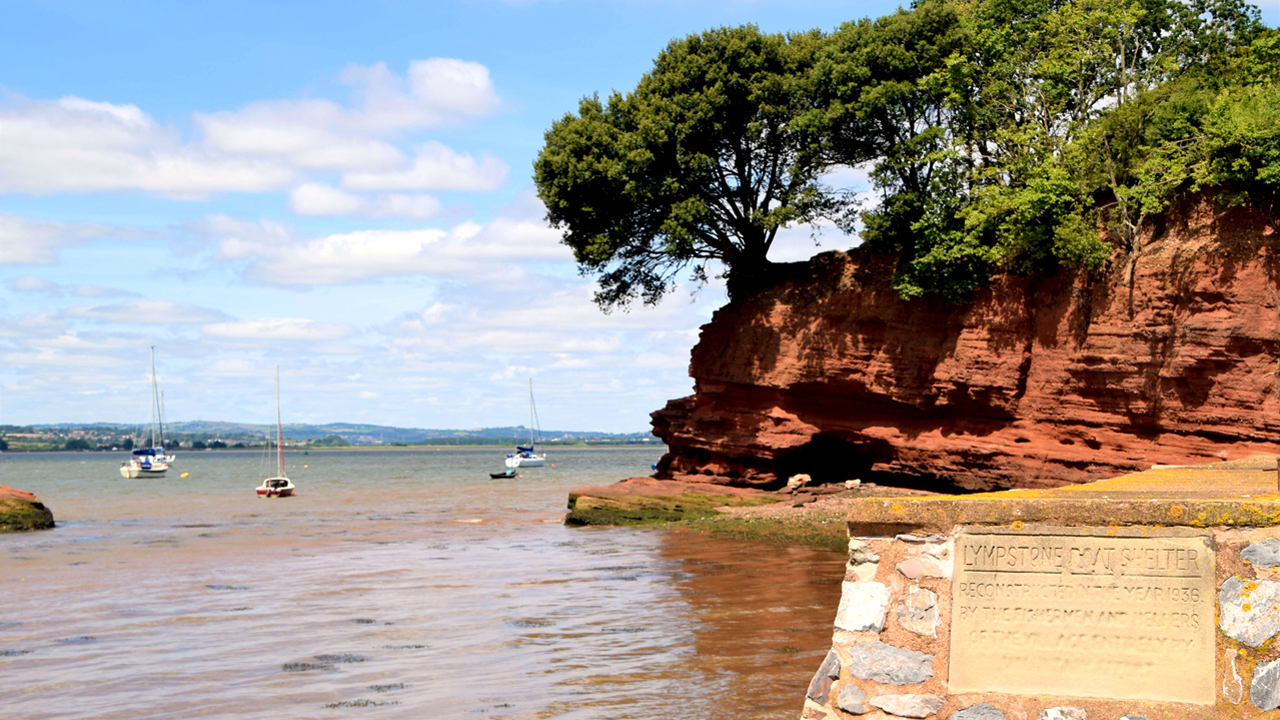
<point x="1000" y="136"/>
<point x="705" y="160"/>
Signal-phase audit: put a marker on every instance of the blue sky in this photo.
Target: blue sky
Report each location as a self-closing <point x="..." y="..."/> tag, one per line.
<point x="340" y="188"/>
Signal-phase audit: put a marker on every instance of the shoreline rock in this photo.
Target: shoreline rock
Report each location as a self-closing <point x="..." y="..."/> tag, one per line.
<point x="22" y="511"/>
<point x="811" y="517"/>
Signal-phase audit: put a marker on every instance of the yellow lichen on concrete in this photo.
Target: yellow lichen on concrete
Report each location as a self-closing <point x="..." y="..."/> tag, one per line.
<point x="1230" y="494"/>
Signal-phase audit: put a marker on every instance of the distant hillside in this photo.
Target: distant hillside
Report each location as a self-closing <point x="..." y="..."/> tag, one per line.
<point x="354" y="433"/>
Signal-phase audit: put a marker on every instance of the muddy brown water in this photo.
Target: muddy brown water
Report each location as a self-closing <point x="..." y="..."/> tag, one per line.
<point x="395" y="585"/>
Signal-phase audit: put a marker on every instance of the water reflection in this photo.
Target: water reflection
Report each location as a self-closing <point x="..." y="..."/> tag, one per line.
<point x="395" y="586"/>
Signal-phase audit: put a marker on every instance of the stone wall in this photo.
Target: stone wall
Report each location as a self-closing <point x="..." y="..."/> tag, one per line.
<point x="892" y="637"/>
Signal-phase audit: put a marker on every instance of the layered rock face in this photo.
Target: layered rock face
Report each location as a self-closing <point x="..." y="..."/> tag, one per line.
<point x="1169" y="358"/>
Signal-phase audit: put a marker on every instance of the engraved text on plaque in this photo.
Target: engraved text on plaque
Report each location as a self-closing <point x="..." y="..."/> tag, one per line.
<point x="1083" y="615"/>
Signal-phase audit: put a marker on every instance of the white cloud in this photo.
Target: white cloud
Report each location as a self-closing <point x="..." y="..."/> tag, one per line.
<point x="436" y="167"/>
<point x="79" y="145"/>
<point x="418" y="207"/>
<point x="279" y="329"/>
<point x="35" y="285"/>
<point x="453" y="85"/>
<point x="29" y="284"/>
<point x="146" y="312"/>
<point x="93" y="291"/>
<point x="801" y="242"/>
<point x="233" y="367"/>
<point x="439" y="91"/>
<point x="273" y="256"/>
<point x="513" y="341"/>
<point x="549" y="319"/>
<point x="76" y="145"/>
<point x="57" y="358"/>
<point x="90" y="341"/>
<point x="315" y="134"/>
<point x="32" y="241"/>
<point x="322" y="134"/>
<point x="670" y="361"/>
<point x="265" y="232"/>
<point x="321" y="199"/>
<point x="804" y="241"/>
<point x="31" y="326"/>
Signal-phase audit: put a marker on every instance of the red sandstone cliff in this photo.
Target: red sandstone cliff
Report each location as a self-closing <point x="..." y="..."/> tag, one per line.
<point x="1035" y="383"/>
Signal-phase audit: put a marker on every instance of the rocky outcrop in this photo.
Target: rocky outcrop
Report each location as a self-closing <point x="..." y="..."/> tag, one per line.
<point x="644" y="500"/>
<point x="1168" y="358"/>
<point x="21" y="511"/>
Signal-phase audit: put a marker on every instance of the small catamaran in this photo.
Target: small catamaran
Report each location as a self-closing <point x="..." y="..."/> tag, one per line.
<point x="280" y="485"/>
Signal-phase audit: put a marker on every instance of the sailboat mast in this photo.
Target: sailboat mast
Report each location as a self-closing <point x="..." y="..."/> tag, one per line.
<point x="155" y="398"/>
<point x="533" y="416"/>
<point x="279" y="426"/>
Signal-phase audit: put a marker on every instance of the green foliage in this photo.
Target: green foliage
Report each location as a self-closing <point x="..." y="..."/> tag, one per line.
<point x="1000" y="136"/>
<point x="886" y="86"/>
<point x="1015" y="129"/>
<point x="4" y="444"/>
<point x="1240" y="148"/>
<point x="335" y="441"/>
<point x="78" y="444"/>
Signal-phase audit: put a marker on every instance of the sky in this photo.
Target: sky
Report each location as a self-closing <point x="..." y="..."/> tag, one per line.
<point x="340" y="189"/>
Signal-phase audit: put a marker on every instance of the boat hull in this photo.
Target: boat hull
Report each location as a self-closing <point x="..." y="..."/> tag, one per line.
<point x="133" y="472"/>
<point x="516" y="461"/>
<point x="276" y="493"/>
<point x="276" y="487"/>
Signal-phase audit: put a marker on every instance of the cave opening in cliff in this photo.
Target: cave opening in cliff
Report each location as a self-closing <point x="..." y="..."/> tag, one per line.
<point x="828" y="458"/>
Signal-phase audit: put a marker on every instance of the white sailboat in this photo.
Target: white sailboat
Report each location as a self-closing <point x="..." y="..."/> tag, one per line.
<point x="151" y="461"/>
<point x="525" y="457"/>
<point x="280" y="485"/>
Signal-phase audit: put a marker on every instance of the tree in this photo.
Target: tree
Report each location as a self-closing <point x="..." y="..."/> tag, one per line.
<point x="984" y="123"/>
<point x="890" y="96"/>
<point x="715" y="150"/>
<point x="4" y="444"/>
<point x="331" y="440"/>
<point x="78" y="444"/>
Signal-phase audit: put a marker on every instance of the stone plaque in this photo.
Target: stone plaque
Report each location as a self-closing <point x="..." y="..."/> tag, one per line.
<point x="1084" y="614"/>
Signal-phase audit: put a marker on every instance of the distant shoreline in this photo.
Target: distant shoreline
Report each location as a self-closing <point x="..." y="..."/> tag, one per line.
<point x="315" y="449"/>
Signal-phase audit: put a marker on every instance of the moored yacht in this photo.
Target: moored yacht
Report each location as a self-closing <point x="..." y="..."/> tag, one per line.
<point x="526" y="457"/>
<point x="150" y="462"/>
<point x="280" y="485"/>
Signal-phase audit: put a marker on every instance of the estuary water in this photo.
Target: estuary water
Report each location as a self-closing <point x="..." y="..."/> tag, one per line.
<point x="396" y="584"/>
